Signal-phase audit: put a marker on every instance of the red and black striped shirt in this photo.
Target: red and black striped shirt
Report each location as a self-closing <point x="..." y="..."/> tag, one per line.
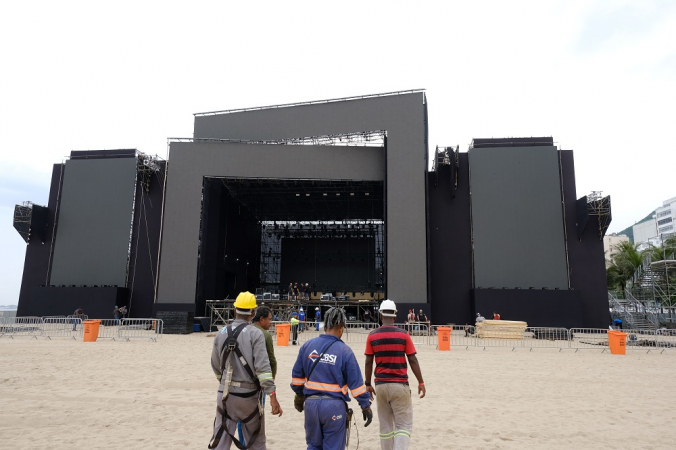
<point x="390" y="345"/>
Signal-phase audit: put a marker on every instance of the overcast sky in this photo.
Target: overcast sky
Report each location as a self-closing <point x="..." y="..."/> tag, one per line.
<point x="598" y="76"/>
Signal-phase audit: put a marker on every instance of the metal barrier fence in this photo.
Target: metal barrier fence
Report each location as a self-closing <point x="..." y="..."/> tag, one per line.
<point x="500" y="338"/>
<point x="71" y="327"/>
<point x="588" y="339"/>
<point x="61" y="327"/>
<point x="546" y="337"/>
<point x="461" y="336"/>
<point x="82" y="317"/>
<point x="22" y="326"/>
<point x="140" y="329"/>
<point x="108" y="328"/>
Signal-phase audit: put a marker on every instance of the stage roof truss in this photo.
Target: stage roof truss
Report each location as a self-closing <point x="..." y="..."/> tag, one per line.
<point x="373" y="138"/>
<point x="599" y="206"/>
<point x="308" y="199"/>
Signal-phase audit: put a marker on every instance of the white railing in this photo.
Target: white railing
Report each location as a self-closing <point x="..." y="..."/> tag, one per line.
<point x="22" y="326"/>
<point x="71" y="327"/>
<point x="108" y="328"/>
<point x="61" y="327"/>
<point x="140" y="329"/>
<point x="588" y="339"/>
<point x="546" y="337"/>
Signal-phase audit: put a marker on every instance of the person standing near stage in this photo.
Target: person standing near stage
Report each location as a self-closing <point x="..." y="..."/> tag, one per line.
<point x="390" y="346"/>
<point x="318" y="317"/>
<point x="325" y="371"/>
<point x="263" y="320"/>
<point x="301" y="318"/>
<point x="240" y="361"/>
<point x="78" y="314"/>
<point x="410" y="319"/>
<point x="116" y="315"/>
<point x="294" y="328"/>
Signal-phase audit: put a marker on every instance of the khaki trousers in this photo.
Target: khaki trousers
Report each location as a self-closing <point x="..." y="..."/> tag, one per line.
<point x="395" y="414"/>
<point x="239" y="408"/>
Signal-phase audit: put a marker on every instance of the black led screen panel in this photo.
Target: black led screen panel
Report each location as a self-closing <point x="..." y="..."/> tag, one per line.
<point x="334" y="264"/>
<point x="94" y="222"/>
<point x="517" y="218"/>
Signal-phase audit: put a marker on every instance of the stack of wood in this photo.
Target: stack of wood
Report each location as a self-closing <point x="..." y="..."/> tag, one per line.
<point x="501" y="329"/>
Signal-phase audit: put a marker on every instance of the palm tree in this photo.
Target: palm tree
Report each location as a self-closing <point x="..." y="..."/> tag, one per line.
<point x="624" y="264"/>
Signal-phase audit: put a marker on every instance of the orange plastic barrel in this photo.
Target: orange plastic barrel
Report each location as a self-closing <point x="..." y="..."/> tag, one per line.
<point x="91" y="330"/>
<point x="617" y="341"/>
<point x="444" y="338"/>
<point x="283" y="332"/>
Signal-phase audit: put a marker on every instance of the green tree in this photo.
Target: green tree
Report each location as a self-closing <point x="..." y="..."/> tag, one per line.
<point x="624" y="264"/>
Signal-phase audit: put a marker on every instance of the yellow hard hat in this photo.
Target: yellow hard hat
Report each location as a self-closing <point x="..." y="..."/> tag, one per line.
<point x="245" y="300"/>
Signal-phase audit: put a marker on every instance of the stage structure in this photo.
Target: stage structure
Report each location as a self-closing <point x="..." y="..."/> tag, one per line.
<point x="332" y="194"/>
<point x="99" y="236"/>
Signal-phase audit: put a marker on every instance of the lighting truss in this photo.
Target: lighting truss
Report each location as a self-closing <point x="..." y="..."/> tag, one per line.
<point x="314" y="102"/>
<point x="375" y="138"/>
<point x="599" y="206"/>
<point x="147" y="166"/>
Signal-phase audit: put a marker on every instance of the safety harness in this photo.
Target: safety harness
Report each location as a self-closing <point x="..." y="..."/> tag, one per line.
<point x="231" y="346"/>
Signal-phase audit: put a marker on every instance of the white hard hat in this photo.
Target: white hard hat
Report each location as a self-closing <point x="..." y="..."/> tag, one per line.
<point x="388" y="305"/>
<point x="301" y="308"/>
<point x="317" y="308"/>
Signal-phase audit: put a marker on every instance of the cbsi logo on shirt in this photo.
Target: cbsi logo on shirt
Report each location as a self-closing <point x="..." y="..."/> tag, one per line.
<point x="326" y="358"/>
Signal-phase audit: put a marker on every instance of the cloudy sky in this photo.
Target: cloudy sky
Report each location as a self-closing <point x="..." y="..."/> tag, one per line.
<point x="598" y="76"/>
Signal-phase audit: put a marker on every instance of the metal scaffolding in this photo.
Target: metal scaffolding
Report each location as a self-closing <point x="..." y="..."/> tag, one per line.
<point x="599" y="206"/>
<point x="273" y="232"/>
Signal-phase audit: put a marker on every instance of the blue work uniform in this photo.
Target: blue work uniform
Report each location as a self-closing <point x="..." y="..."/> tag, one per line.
<point x="301" y="317"/>
<point x="318" y="318"/>
<point x="327" y="391"/>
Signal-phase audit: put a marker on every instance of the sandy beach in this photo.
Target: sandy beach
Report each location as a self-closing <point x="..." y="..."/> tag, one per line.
<point x="63" y="394"/>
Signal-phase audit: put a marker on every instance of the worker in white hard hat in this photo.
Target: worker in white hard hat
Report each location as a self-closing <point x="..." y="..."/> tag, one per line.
<point x="318" y="317"/>
<point x="240" y="361"/>
<point x="390" y="346"/>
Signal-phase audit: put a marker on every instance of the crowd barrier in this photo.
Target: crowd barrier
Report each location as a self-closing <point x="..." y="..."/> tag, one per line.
<point x="62" y="327"/>
<point x="71" y="327"/>
<point x="22" y="327"/>
<point x="108" y="329"/>
<point x="141" y="329"/>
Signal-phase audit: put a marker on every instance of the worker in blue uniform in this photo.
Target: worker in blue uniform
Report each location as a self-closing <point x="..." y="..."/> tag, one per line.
<point x="324" y="374"/>
<point x="318" y="317"/>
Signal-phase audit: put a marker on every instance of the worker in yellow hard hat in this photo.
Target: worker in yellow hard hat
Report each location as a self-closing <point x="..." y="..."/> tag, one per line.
<point x="240" y="361"/>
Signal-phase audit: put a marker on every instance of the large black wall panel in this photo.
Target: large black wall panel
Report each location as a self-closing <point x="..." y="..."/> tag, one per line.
<point x="36" y="264"/>
<point x="539" y="308"/>
<point x="97" y="303"/>
<point x="450" y="245"/>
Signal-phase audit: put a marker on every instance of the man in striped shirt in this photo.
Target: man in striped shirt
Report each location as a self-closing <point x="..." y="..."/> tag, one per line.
<point x="390" y="346"/>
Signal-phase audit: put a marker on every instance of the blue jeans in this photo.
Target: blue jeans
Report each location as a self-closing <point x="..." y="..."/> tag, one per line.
<point x="325" y="423"/>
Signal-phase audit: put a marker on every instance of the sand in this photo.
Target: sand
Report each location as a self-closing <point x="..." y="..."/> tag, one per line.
<point x="64" y="394"/>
